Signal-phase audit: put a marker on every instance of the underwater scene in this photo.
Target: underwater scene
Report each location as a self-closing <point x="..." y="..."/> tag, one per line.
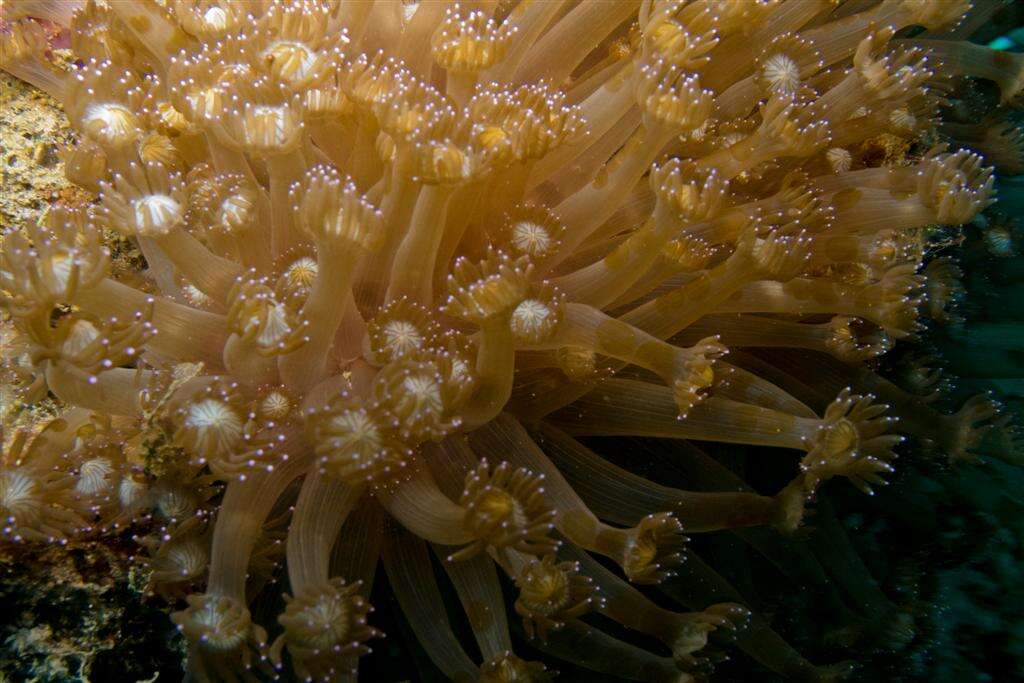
<point x="510" y="341"/>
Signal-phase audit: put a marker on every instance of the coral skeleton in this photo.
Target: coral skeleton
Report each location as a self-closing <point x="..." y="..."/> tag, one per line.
<point x="406" y="259"/>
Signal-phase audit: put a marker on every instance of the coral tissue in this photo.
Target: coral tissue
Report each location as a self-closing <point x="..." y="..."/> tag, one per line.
<point x="402" y="256"/>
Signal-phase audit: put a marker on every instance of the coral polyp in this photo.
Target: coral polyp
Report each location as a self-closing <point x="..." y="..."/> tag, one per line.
<point x="409" y="265"/>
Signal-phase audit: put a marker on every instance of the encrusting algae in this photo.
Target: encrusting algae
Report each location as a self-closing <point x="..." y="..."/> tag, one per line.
<point x="403" y="257"/>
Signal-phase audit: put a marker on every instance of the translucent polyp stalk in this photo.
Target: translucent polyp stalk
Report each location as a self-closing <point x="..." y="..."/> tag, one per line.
<point x="588" y="166"/>
<point x="871" y="210"/>
<point x="114" y="391"/>
<point x="735" y="54"/>
<point x="838" y="555"/>
<point x="476" y="583"/>
<point x="602" y="110"/>
<point x="160" y="268"/>
<point x="590" y="328"/>
<point x="382" y="27"/>
<point x="593" y="649"/>
<point x="631" y="408"/>
<point x="917" y="417"/>
<point x="319" y="513"/>
<point x="571" y="39"/>
<point x="978" y="15"/>
<point x="423" y="509"/>
<point x="397" y="205"/>
<point x="739" y="330"/>
<point x="495" y="367"/>
<point x="324" y="310"/>
<point x="412" y="271"/>
<point x="464" y="206"/>
<point x="36" y="73"/>
<point x="349" y="338"/>
<point x="152" y="28"/>
<point x="530" y="18"/>
<point x="412" y="580"/>
<point x="211" y="274"/>
<point x="604" y="281"/>
<point x="285" y="170"/>
<point x="699" y="584"/>
<point x="963" y="58"/>
<point x="333" y="139"/>
<point x="737" y="384"/>
<point x="669" y="313"/>
<point x="807" y="296"/>
<point x="182" y="332"/>
<point x="459" y="86"/>
<point x="365" y="165"/>
<point x="357" y="549"/>
<point x="246" y="505"/>
<point x="413" y="47"/>
<point x="738" y="100"/>
<point x="57" y="11"/>
<point x="625" y="498"/>
<point x="631" y="608"/>
<point x="588" y="208"/>
<point x="742" y="156"/>
<point x="243" y="360"/>
<point x="837" y="40"/>
<point x="574" y="520"/>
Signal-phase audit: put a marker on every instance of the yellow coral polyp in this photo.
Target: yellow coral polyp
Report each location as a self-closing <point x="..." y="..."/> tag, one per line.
<point x="389" y="244"/>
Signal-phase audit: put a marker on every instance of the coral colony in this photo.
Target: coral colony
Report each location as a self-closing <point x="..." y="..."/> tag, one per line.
<point x="402" y="257"/>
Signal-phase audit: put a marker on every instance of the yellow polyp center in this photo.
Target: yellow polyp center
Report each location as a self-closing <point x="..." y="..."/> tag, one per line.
<point x="18" y="493"/>
<point x="160" y="149"/>
<point x="156" y="214"/>
<point x="424" y="391"/>
<point x="82" y="334"/>
<point x="545" y="590"/>
<point x="110" y="124"/>
<point x="531" y="238"/>
<point x="406" y="122"/>
<point x="839" y="159"/>
<point x="300" y="275"/>
<point x="215" y="18"/>
<point x="60" y="269"/>
<point x="510" y="669"/>
<point x="236" y="212"/>
<point x="195" y="296"/>
<point x="219" y="634"/>
<point x="269" y="126"/>
<point x="902" y="120"/>
<point x="290" y="61"/>
<point x="531" y="319"/>
<point x="686" y="198"/>
<point x="188" y="557"/>
<point x="216" y="427"/>
<point x="642" y="553"/>
<point x="354" y="428"/>
<point x="323" y="624"/>
<point x="172" y="118"/>
<point x="496" y="506"/>
<point x="839" y="438"/>
<point x="703" y="376"/>
<point x="273" y="328"/>
<point x="450" y="163"/>
<point x="781" y="73"/>
<point x="93" y="476"/>
<point x="492" y="137"/>
<point x="275" y="406"/>
<point x="131" y="493"/>
<point x="668" y="37"/>
<point x="401" y="338"/>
